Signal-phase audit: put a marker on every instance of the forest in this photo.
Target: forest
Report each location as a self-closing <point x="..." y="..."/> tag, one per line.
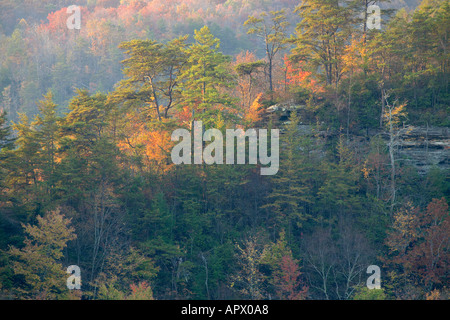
<point x="87" y="179"/>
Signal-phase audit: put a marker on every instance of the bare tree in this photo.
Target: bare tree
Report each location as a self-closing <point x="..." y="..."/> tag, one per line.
<point x="319" y="256"/>
<point x="353" y="259"/>
<point x="394" y="114"/>
<point x="100" y="228"/>
<point x="335" y="264"/>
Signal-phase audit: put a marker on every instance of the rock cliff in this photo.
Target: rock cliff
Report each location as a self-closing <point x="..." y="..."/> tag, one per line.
<point x="421" y="146"/>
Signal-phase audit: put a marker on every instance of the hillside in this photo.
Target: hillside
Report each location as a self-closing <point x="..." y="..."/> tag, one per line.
<point x="224" y="150"/>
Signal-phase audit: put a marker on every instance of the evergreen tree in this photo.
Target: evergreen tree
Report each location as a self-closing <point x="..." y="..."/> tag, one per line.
<point x="321" y="35"/>
<point x="291" y="194"/>
<point x="272" y="29"/>
<point x="152" y="72"/>
<point x="47" y="126"/>
<point x="206" y="79"/>
<point x="6" y="140"/>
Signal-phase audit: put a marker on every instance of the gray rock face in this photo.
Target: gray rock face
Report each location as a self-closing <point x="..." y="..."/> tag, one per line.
<point x="422" y="147"/>
<point x="425" y="147"/>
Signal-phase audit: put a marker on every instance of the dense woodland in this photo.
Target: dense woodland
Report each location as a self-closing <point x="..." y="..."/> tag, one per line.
<point x="86" y="176"/>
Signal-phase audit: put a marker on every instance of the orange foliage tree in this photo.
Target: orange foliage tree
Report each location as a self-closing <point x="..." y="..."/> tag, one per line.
<point x="149" y="144"/>
<point x="254" y="112"/>
<point x="296" y="75"/>
<point x="289" y="284"/>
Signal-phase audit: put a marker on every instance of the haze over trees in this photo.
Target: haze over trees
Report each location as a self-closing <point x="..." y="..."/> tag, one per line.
<point x="86" y="177"/>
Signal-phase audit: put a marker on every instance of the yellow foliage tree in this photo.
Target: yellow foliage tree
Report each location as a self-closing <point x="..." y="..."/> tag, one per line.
<point x="38" y="263"/>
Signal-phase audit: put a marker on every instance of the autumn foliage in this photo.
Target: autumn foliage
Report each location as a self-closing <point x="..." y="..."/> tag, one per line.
<point x="290" y="285"/>
<point x="86" y="175"/>
<point x="419" y="242"/>
<point x="297" y="76"/>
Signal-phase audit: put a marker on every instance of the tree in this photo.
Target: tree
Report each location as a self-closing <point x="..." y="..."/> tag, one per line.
<point x="248" y="279"/>
<point x="247" y="69"/>
<point x="126" y="274"/>
<point x="282" y="271"/>
<point x="87" y="148"/>
<point x="289" y="283"/>
<point x="22" y="164"/>
<point x="38" y="262"/>
<point x="321" y="35"/>
<point x="340" y="191"/>
<point x="254" y="113"/>
<point x="152" y="72"/>
<point x="6" y="144"/>
<point x="364" y="293"/>
<point x="353" y="57"/>
<point x="364" y="6"/>
<point x="142" y="68"/>
<point x="297" y="78"/>
<point x="141" y="291"/>
<point x="354" y="253"/>
<point x="47" y="124"/>
<point x="289" y="197"/>
<point x="419" y="242"/>
<point x="393" y="117"/>
<point x="431" y="256"/>
<point x="6" y="141"/>
<point x="319" y="255"/>
<point x="273" y="30"/>
<point x="206" y="79"/>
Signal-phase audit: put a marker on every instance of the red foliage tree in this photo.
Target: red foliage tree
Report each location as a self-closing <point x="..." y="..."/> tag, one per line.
<point x="297" y="76"/>
<point x="431" y="257"/>
<point x="289" y="283"/>
<point x="420" y="241"/>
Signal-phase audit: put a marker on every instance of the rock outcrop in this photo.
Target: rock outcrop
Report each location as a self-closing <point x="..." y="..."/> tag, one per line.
<point x="425" y="147"/>
<point x="421" y="146"/>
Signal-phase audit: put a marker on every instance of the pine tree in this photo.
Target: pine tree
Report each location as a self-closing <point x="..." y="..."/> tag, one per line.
<point x="22" y="163"/>
<point x="47" y="126"/>
<point x="206" y="80"/>
<point x="248" y="69"/>
<point x="152" y="70"/>
<point x="290" y="194"/>
<point x="340" y="192"/>
<point x="87" y="150"/>
<point x="282" y="271"/>
<point x="6" y="140"/>
<point x="321" y="35"/>
<point x="272" y="29"/>
<point x="6" y="144"/>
